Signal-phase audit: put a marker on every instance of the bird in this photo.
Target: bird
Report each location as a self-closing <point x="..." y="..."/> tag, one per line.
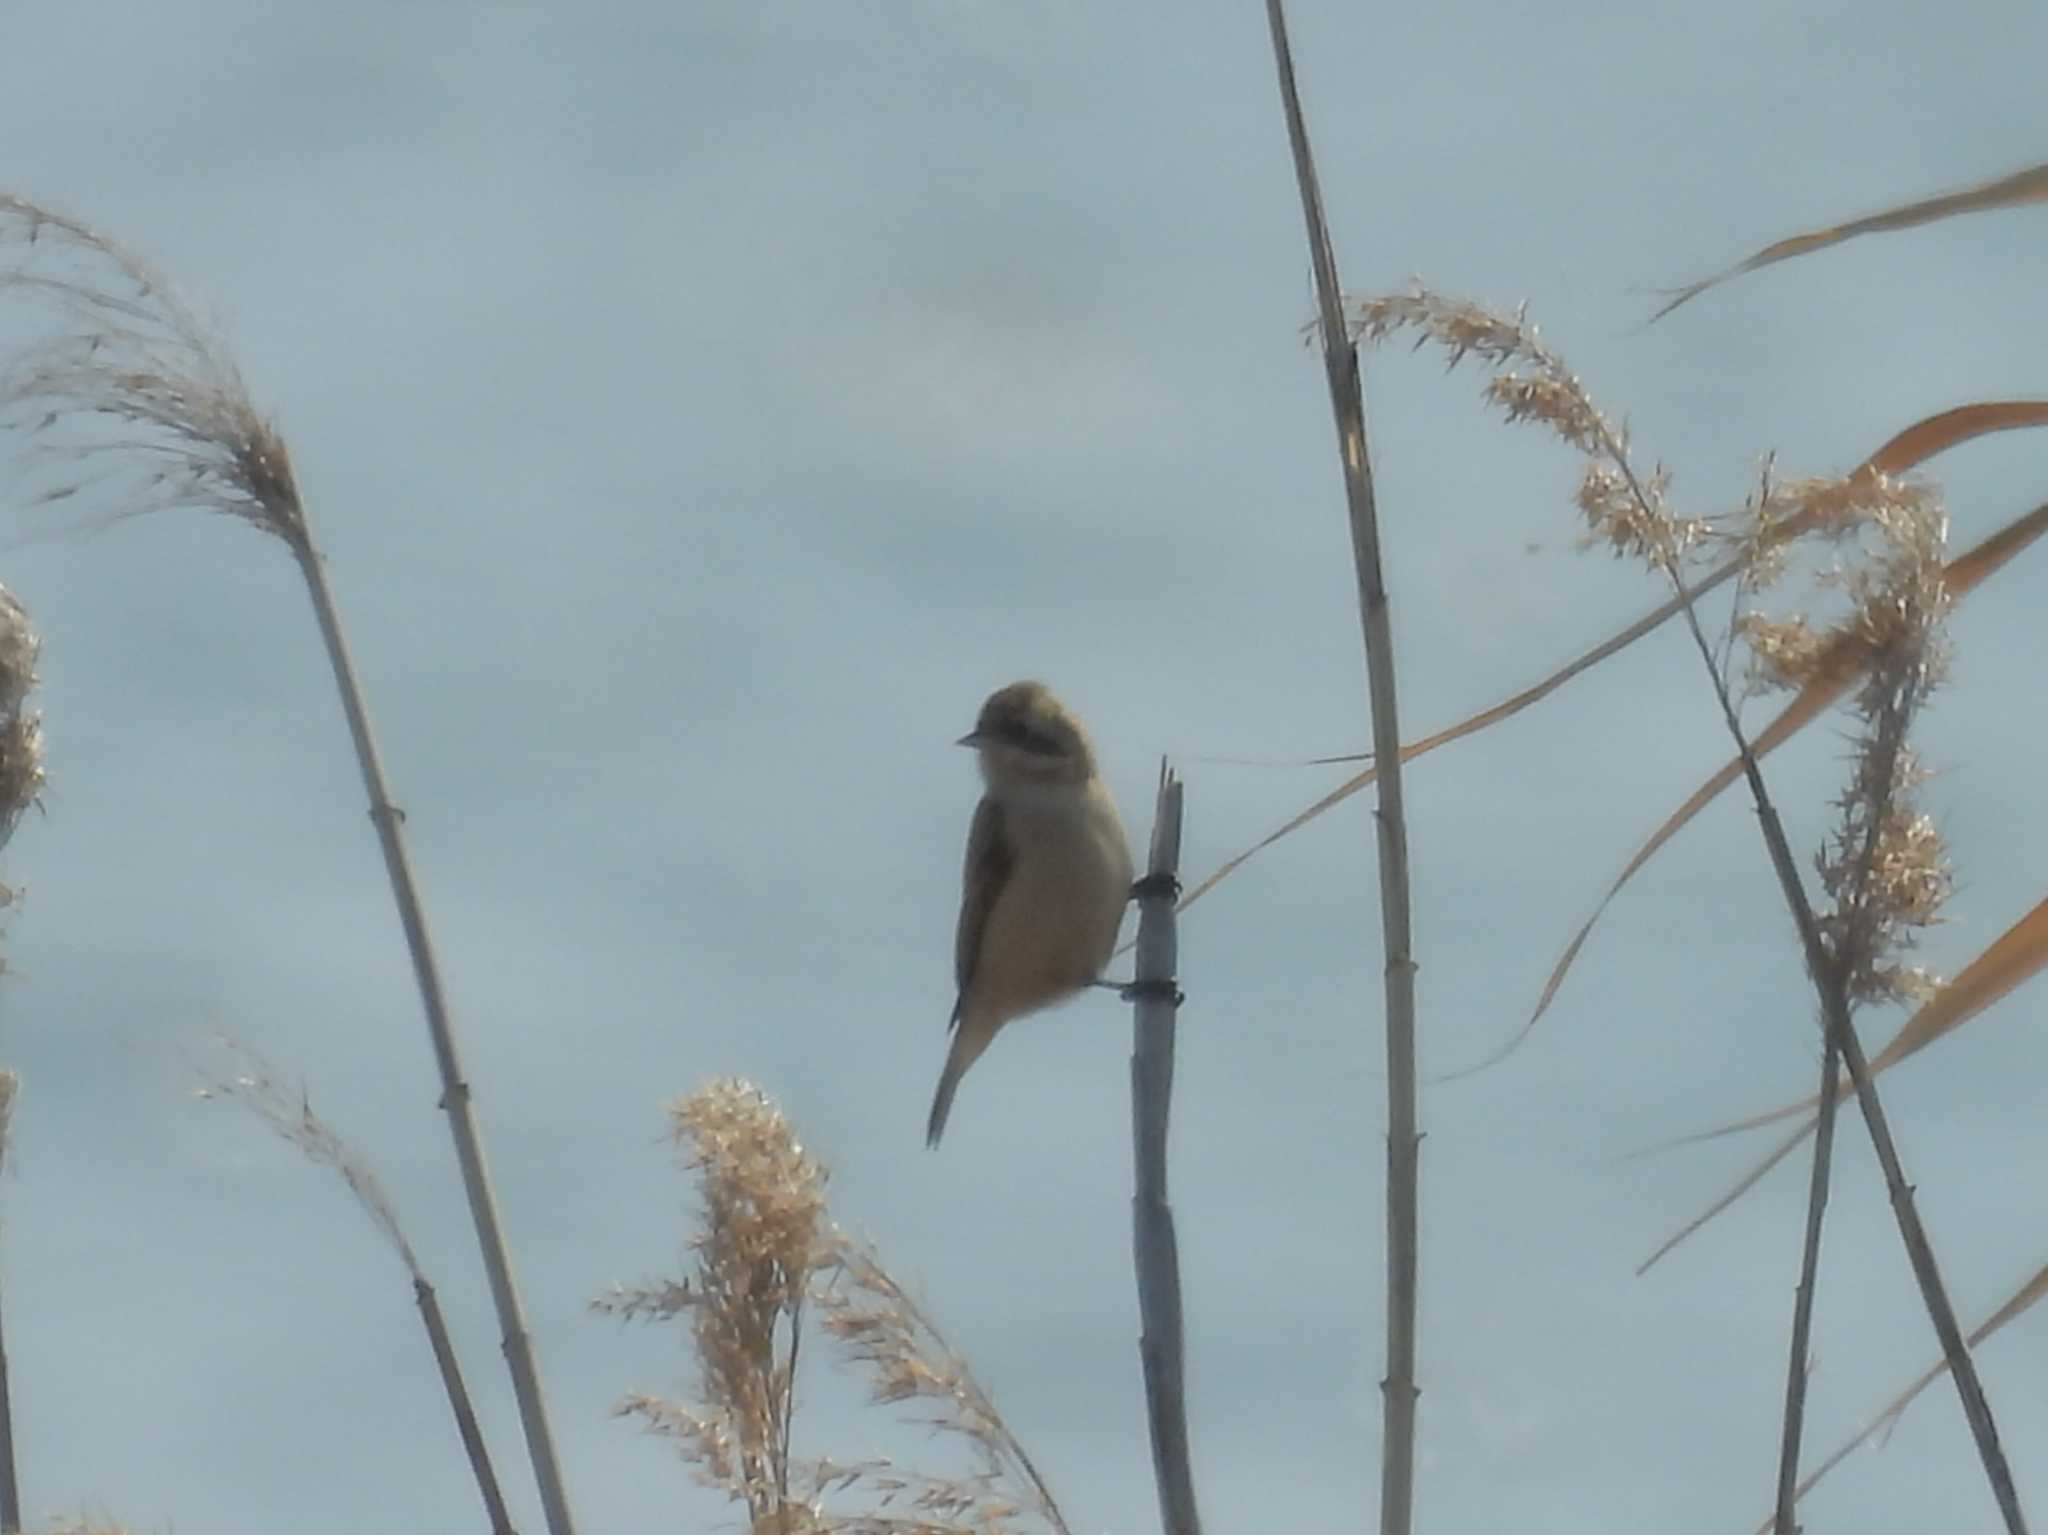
<point x="1047" y="876"/>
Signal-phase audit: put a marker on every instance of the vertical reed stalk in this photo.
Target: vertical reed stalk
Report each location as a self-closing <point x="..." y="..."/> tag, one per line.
<point x="1347" y="401"/>
<point x="1803" y="1298"/>
<point x="1163" y="1346"/>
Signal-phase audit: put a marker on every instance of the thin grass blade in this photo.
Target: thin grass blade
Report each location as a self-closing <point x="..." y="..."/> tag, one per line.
<point x="1743" y="1185"/>
<point x="2027" y="186"/>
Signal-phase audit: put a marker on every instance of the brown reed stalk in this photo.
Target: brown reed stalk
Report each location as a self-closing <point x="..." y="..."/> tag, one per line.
<point x="135" y="389"/>
<point x="1162" y="1345"/>
<point x="1347" y="401"/>
<point x="290" y="1114"/>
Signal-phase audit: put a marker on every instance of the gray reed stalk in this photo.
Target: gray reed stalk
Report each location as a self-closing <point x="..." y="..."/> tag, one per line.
<point x="455" y="1096"/>
<point x="10" y="1486"/>
<point x="1832" y="985"/>
<point x="458" y="1403"/>
<point x="136" y="356"/>
<point x="1796" y="1376"/>
<point x="1853" y="945"/>
<point x="1347" y="401"/>
<point x="1162" y="1346"/>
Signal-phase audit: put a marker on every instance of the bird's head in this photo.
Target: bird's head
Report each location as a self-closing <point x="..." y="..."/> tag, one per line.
<point x="1027" y="737"/>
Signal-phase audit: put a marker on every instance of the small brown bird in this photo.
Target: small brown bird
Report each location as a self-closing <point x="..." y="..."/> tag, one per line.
<point x="1048" y="874"/>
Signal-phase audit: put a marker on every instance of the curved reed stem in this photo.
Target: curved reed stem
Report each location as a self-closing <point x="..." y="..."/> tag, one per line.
<point x="455" y="1099"/>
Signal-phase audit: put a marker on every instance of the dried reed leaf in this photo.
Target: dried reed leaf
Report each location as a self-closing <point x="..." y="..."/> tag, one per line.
<point x="1889" y="1415"/>
<point x="1904" y="451"/>
<point x="1949" y="428"/>
<point x="1742" y="1185"/>
<point x="2027" y="186"/>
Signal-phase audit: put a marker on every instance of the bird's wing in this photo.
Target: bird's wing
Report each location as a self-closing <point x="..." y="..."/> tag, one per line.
<point x="989" y="862"/>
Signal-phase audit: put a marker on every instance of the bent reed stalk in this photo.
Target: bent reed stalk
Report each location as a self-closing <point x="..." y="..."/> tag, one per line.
<point x="137" y="391"/>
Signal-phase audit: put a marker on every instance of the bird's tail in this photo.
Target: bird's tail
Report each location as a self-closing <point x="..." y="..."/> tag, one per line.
<point x="968" y="1043"/>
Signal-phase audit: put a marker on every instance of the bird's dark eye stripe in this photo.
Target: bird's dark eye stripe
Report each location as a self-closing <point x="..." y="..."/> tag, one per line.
<point x="1021" y="735"/>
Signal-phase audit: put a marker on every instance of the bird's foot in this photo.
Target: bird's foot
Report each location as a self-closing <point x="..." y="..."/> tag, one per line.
<point x="1156" y="885"/>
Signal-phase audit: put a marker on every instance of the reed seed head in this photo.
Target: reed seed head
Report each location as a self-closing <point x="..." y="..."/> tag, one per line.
<point x="133" y="387"/>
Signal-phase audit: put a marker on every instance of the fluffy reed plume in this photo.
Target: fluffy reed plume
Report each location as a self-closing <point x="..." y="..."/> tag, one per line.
<point x="1627" y="512"/>
<point x="135" y="394"/>
<point x="764" y="1231"/>
<point x="21" y="728"/>
<point x="766" y="1255"/>
<point x="1884" y="866"/>
<point x="289" y="1112"/>
<point x="135" y="390"/>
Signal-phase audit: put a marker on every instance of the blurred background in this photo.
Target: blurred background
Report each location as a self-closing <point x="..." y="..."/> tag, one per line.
<point x="702" y="409"/>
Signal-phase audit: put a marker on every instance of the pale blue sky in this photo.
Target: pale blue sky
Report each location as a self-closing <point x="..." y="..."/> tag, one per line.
<point x="703" y="407"/>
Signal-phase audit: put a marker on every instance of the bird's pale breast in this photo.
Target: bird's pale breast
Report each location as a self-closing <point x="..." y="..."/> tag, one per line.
<point x="1055" y="924"/>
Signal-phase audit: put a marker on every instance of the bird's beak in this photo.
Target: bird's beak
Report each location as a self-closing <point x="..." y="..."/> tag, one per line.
<point x="973" y="738"/>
